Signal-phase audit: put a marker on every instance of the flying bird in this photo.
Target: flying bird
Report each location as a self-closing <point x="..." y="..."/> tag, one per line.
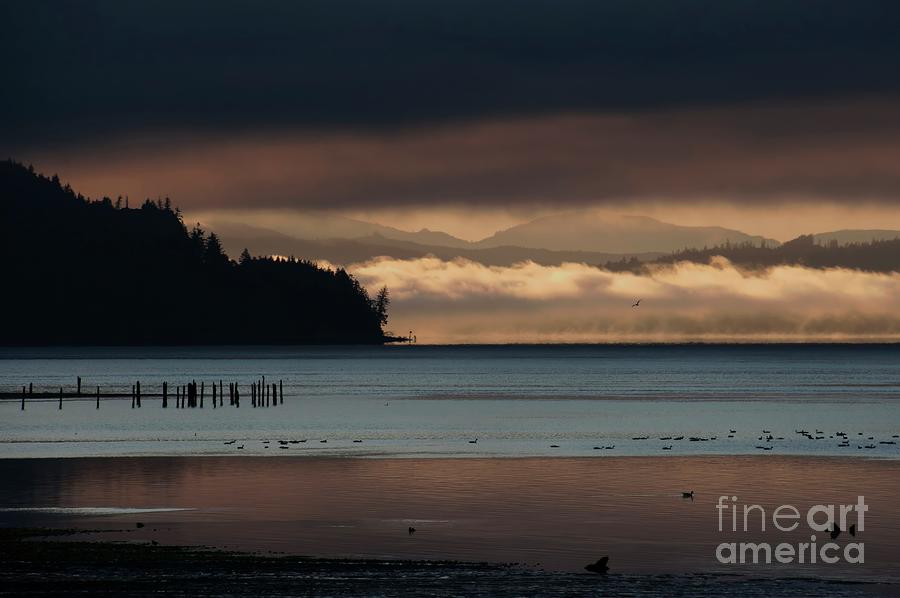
<point x="637" y="303"/>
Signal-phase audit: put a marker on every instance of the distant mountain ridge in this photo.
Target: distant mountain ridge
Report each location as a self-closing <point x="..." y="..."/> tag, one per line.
<point x="236" y="237"/>
<point x="585" y="231"/>
<point x="629" y="241"/>
<point x="573" y="236"/>
<point x="318" y="226"/>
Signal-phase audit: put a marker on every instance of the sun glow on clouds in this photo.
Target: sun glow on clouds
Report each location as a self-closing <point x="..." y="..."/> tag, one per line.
<point x="463" y="301"/>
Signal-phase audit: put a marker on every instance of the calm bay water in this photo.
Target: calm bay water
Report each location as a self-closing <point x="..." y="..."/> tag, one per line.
<point x="416" y="412"/>
<point x="432" y="401"/>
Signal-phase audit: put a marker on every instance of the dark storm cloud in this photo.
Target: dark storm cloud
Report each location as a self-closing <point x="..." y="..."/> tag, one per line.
<point x="749" y="155"/>
<point x="76" y="72"/>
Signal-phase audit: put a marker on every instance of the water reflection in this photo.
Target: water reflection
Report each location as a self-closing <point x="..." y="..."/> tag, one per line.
<point x="561" y="513"/>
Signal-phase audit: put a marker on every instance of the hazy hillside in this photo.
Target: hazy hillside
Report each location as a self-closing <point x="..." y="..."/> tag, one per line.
<point x="873" y="256"/>
<point x="586" y="231"/>
<point x="262" y="241"/>
<point x="856" y="236"/>
<point x="318" y="226"/>
<point x="574" y="236"/>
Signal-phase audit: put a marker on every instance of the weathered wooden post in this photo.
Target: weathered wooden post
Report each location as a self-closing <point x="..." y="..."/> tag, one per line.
<point x="214" y="395"/>
<point x="237" y="396"/>
<point x="23" y="398"/>
<point x="221" y="394"/>
<point x="202" y="392"/>
<point x="98" y="396"/>
<point x="165" y="394"/>
<point x="60" y="397"/>
<point x="253" y="394"/>
<point x="79" y="386"/>
<point x="231" y="393"/>
<point x="132" y="396"/>
<point x="138" y="394"/>
<point x="274" y="394"/>
<point x="30" y="388"/>
<point x="281" y="391"/>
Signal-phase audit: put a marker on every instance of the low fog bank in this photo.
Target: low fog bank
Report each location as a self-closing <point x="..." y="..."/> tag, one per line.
<point x="461" y="301"/>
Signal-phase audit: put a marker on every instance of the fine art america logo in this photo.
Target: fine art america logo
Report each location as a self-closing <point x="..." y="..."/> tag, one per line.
<point x="828" y="520"/>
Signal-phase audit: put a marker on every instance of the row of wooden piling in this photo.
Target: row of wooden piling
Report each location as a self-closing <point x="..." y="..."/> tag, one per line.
<point x="190" y="395"/>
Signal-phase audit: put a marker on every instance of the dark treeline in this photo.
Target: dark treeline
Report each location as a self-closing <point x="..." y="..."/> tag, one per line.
<point x="77" y="271"/>
<point x="874" y="256"/>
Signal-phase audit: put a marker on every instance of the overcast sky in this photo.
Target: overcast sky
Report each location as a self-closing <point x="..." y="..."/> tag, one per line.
<point x="511" y="107"/>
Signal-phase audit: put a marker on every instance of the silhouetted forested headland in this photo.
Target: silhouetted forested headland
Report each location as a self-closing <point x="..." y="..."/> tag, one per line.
<point x="77" y="271"/>
<point x="874" y="256"/>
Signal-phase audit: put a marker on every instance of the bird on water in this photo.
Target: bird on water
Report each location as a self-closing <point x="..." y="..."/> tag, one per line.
<point x="600" y="567"/>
